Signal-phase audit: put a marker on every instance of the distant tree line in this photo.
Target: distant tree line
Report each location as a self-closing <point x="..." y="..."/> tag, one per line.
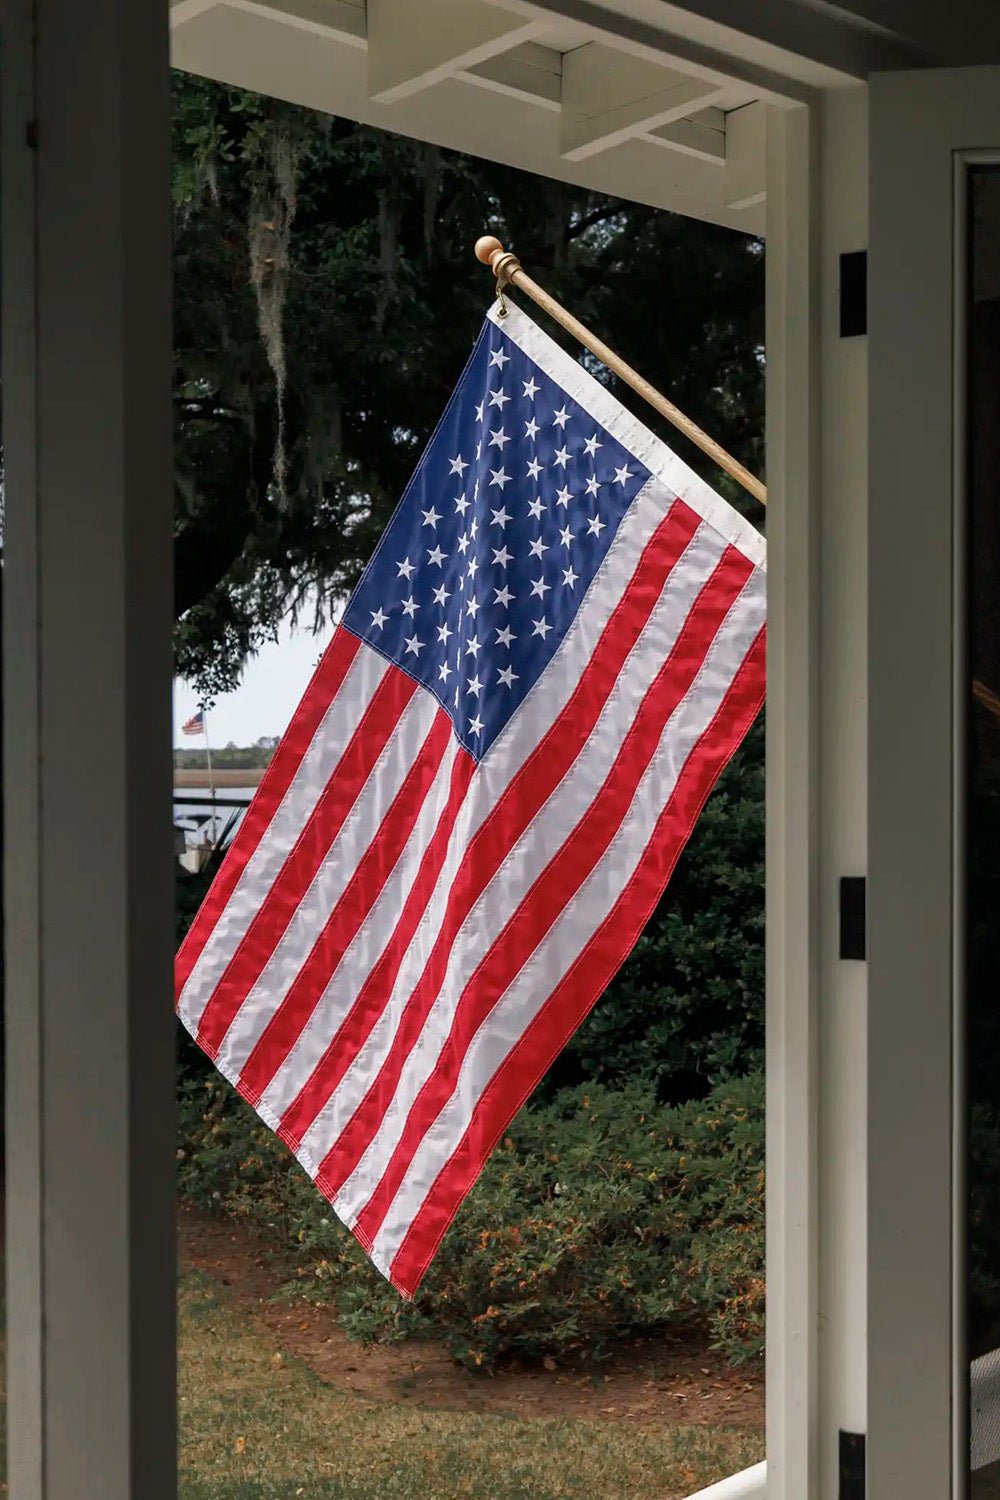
<point x="229" y="757"/>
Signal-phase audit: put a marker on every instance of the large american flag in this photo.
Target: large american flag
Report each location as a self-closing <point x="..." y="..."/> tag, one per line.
<point x="554" y="651"/>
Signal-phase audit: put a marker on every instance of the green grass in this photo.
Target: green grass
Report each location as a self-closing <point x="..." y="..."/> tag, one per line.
<point x="257" y="1427"/>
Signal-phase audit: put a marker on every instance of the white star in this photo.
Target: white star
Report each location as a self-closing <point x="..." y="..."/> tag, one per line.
<point x="458" y="464"/>
<point x="476" y="725"/>
<point x="591" y="445"/>
<point x="508" y="677"/>
<point x="473" y="647"/>
<point x="563" y="496"/>
<point x="622" y="475"/>
<point x="499" y="517"/>
<point x="441" y="595"/>
<point x="499" y="399"/>
<point x="473" y="607"/>
<point x="542" y="628"/>
<point x="404" y="569"/>
<point x="444" y="633"/>
<point x="503" y="557"/>
<point x="498" y="438"/>
<point x="444" y="671"/>
<point x="535" y="508"/>
<point x="540" y="588"/>
<point x="503" y="596"/>
<point x="435" y="556"/>
<point x="379" y="617"/>
<point x="471" y="570"/>
<point x="431" y="517"/>
<point x="505" y="636"/>
<point x="474" y="527"/>
<point x="479" y="451"/>
<point x="410" y="607"/>
<point x="537" y="548"/>
<point x="530" y="388"/>
<point x="499" y="358"/>
<point x="463" y="542"/>
<point x="596" y="526"/>
<point x="534" y="468"/>
<point x="500" y="477"/>
<point x="561" y="457"/>
<point x="561" y="418"/>
<point x="474" y="686"/>
<point x="592" y="485"/>
<point x="566" y="536"/>
<point x="569" y="576"/>
<point x="531" y="429"/>
<point x="480" y="409"/>
<point x="414" y="645"/>
<point x="461" y="504"/>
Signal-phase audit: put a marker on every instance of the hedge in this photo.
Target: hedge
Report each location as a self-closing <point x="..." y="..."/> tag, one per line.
<point x="600" y="1215"/>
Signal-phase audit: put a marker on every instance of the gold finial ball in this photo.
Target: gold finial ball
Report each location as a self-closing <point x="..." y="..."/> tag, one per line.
<point x="487" y="247"/>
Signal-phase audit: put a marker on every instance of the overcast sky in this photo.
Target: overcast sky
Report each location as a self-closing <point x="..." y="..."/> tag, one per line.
<point x="267" y="697"/>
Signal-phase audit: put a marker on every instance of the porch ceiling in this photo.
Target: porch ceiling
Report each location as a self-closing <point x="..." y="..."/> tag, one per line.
<point x="546" y="91"/>
<point x="654" y="101"/>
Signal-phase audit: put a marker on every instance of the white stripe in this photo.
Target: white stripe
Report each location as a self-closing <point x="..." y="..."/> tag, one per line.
<point x="511" y="883"/>
<point x="630" y="432"/>
<point x="359" y="829"/>
<point x="363" y="953"/>
<point x="317" y="766"/>
<point x="578" y="921"/>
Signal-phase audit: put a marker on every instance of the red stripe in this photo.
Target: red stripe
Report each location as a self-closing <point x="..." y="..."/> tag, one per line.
<point x="322" y="690"/>
<point x="541" y="773"/>
<point x="341" y="927"/>
<point x="312" y="845"/>
<point x="589" y="976"/>
<point x="357" y="1025"/>
<point x="555" y="886"/>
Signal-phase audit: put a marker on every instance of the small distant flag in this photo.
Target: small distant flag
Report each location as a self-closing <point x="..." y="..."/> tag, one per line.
<point x="196" y="723"/>
<point x="553" y="653"/>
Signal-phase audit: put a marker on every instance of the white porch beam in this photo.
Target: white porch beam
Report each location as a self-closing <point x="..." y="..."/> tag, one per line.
<point x="608" y="96"/>
<point x="413" y="46"/>
<point x="344" y="20"/>
<point x="746" y="169"/>
<point x="84" y="219"/>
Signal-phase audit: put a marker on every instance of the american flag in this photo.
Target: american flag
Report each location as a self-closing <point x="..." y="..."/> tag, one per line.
<point x="196" y="723"/>
<point x="554" y="651"/>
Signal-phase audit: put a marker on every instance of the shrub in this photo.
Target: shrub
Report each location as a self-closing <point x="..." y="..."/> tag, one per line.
<point x="600" y="1215"/>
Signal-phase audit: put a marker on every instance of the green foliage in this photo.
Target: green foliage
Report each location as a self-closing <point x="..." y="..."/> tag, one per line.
<point x="601" y="1214"/>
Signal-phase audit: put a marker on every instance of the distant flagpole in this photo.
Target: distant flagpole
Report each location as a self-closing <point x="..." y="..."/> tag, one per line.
<point x="509" y="272"/>
<point x="211" y="778"/>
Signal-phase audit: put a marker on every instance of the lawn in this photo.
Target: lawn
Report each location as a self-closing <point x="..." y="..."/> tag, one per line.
<point x="257" y="1424"/>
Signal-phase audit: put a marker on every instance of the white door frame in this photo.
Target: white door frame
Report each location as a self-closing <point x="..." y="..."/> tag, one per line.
<point x="925" y="128"/>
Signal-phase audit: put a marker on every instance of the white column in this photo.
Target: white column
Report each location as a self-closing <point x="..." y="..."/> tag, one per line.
<point x="792" y="819"/>
<point x="87" y="666"/>
<point x="817" y="804"/>
<point x="843" y="802"/>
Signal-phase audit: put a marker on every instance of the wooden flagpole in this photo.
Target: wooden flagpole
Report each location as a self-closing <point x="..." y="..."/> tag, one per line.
<point x="509" y="272"/>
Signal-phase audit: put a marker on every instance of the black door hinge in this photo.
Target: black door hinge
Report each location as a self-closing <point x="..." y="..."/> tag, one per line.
<point x="853" y="918"/>
<point x="852" y="1466"/>
<point x="853" y="294"/>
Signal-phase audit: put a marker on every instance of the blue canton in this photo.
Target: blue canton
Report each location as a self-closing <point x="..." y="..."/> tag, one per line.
<point x="507" y="518"/>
